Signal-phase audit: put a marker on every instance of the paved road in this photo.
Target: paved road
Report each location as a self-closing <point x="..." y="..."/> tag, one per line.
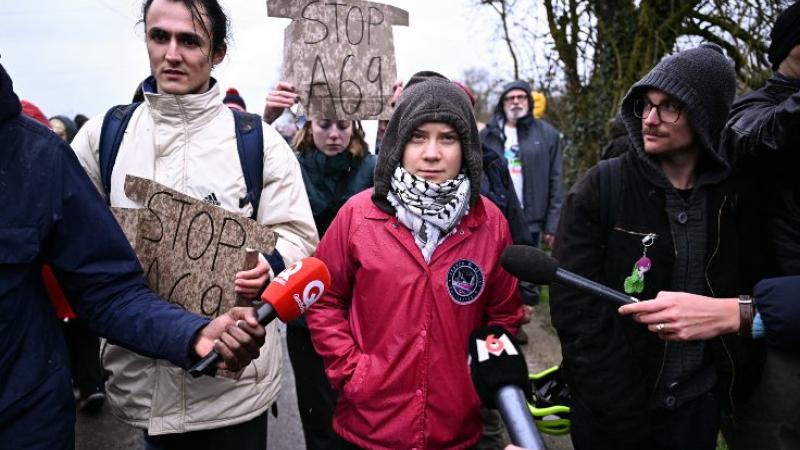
<point x="103" y="432"/>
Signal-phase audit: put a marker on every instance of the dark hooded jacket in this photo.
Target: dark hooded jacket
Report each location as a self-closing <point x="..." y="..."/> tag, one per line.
<point x="498" y="187"/>
<point x="619" y="369"/>
<point x="331" y="180"/>
<point x="53" y="215"/>
<point x="540" y="147"/>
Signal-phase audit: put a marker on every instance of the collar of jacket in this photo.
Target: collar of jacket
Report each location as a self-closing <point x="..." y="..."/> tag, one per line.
<point x="498" y="123"/>
<point x="475" y="216"/>
<point x="709" y="170"/>
<point x="329" y="165"/>
<point x="190" y="110"/>
<point x="784" y="81"/>
<point x="9" y="102"/>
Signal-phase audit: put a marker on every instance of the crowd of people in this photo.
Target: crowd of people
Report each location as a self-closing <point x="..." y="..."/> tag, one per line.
<point x="694" y="208"/>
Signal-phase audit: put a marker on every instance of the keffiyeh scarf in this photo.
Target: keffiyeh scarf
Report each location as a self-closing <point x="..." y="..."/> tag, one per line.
<point x="430" y="210"/>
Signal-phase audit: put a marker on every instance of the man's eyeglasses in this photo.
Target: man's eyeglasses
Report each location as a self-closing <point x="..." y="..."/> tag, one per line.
<point x="513" y="98"/>
<point x="341" y="125"/>
<point x="668" y="111"/>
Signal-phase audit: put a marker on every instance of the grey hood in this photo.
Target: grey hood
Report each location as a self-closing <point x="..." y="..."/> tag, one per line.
<point x="428" y="97"/>
<point x="704" y="81"/>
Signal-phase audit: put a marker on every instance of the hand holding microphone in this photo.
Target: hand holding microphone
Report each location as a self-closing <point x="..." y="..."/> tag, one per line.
<point x="500" y="376"/>
<point x="235" y="335"/>
<point x="535" y="266"/>
<point x="287" y="297"/>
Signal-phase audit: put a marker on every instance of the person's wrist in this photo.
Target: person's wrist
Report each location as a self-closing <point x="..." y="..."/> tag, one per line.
<point x="727" y="316"/>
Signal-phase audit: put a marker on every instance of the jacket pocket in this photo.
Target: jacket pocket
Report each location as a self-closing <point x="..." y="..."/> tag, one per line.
<point x="18" y="245"/>
<point x="19" y="248"/>
<point x="357" y="386"/>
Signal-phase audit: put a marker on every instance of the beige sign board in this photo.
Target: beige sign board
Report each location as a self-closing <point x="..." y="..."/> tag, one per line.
<point x="340" y="56"/>
<point x="190" y="250"/>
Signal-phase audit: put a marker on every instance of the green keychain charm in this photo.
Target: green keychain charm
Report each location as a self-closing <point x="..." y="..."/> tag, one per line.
<point x="634" y="284"/>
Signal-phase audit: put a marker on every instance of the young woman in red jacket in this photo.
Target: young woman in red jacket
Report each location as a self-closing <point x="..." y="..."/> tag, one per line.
<point x="415" y="268"/>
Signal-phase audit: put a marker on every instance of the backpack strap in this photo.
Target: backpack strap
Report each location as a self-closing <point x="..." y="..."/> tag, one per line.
<point x="610" y="190"/>
<point x="250" y="143"/>
<point x="114" y="124"/>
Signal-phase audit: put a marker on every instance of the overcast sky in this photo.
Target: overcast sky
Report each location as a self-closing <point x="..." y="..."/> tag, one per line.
<point x="83" y="56"/>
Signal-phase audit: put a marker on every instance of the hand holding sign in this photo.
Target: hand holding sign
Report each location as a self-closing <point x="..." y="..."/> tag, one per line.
<point x="249" y="283"/>
<point x="283" y="96"/>
<point x="340" y="56"/>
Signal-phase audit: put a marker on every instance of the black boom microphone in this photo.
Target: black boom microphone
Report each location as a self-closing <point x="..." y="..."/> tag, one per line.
<point x="535" y="266"/>
<point x="500" y="376"/>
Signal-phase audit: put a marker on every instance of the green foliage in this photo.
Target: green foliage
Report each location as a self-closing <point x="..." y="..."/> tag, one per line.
<point x="721" y="444"/>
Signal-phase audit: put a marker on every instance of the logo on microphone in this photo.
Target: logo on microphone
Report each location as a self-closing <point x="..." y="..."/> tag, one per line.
<point x="464" y="281"/>
<point x="495" y="346"/>
<point x="312" y="292"/>
<point x="283" y="277"/>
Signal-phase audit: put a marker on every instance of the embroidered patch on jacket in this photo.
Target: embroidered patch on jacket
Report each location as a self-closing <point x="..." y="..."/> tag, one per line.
<point x="464" y="281"/>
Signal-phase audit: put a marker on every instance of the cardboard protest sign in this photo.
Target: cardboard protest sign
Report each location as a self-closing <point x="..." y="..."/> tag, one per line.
<point x="190" y="250"/>
<point x="340" y="56"/>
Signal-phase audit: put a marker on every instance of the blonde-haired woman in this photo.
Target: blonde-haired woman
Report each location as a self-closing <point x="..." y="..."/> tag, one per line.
<point x="336" y="165"/>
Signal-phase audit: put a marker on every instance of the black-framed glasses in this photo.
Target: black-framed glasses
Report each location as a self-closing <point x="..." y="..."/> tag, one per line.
<point x="668" y="111"/>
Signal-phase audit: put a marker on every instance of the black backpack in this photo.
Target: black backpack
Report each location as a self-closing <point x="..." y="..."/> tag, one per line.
<point x="249" y="142"/>
<point x="611" y="185"/>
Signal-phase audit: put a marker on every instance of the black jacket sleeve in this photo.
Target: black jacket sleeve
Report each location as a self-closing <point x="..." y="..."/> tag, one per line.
<point x="598" y="358"/>
<point x="778" y="304"/>
<point x="763" y="121"/>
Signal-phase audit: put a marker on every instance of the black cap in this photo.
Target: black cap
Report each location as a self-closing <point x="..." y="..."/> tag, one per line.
<point x="785" y="35"/>
<point x="232" y="97"/>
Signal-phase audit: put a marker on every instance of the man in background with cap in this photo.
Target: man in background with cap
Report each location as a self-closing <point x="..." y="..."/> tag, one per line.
<point x="762" y="138"/>
<point x="234" y="101"/>
<point x="532" y="150"/>
<point x="654" y="219"/>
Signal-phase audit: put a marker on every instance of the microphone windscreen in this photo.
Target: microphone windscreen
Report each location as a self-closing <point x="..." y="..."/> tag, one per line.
<point x="297" y="287"/>
<point x="529" y="264"/>
<point x="495" y="360"/>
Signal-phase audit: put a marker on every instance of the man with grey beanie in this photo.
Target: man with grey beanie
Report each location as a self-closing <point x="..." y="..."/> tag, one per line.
<point x="657" y="218"/>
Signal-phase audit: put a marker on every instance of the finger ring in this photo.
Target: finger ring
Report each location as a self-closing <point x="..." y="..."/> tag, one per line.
<point x="660" y="327"/>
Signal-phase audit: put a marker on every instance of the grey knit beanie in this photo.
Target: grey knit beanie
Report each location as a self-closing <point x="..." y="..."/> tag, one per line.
<point x="702" y="79"/>
<point x="428" y="97"/>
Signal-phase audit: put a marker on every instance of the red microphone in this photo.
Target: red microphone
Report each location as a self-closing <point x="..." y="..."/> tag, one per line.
<point x="287" y="297"/>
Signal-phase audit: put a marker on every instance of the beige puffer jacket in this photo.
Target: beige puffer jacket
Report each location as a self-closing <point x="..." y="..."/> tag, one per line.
<point x="188" y="143"/>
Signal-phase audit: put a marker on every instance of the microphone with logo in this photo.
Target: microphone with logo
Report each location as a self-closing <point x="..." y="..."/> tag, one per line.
<point x="535" y="266"/>
<point x="500" y="376"/>
<point x="287" y="297"/>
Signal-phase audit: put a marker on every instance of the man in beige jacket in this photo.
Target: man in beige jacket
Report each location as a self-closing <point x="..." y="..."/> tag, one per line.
<point x="183" y="136"/>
